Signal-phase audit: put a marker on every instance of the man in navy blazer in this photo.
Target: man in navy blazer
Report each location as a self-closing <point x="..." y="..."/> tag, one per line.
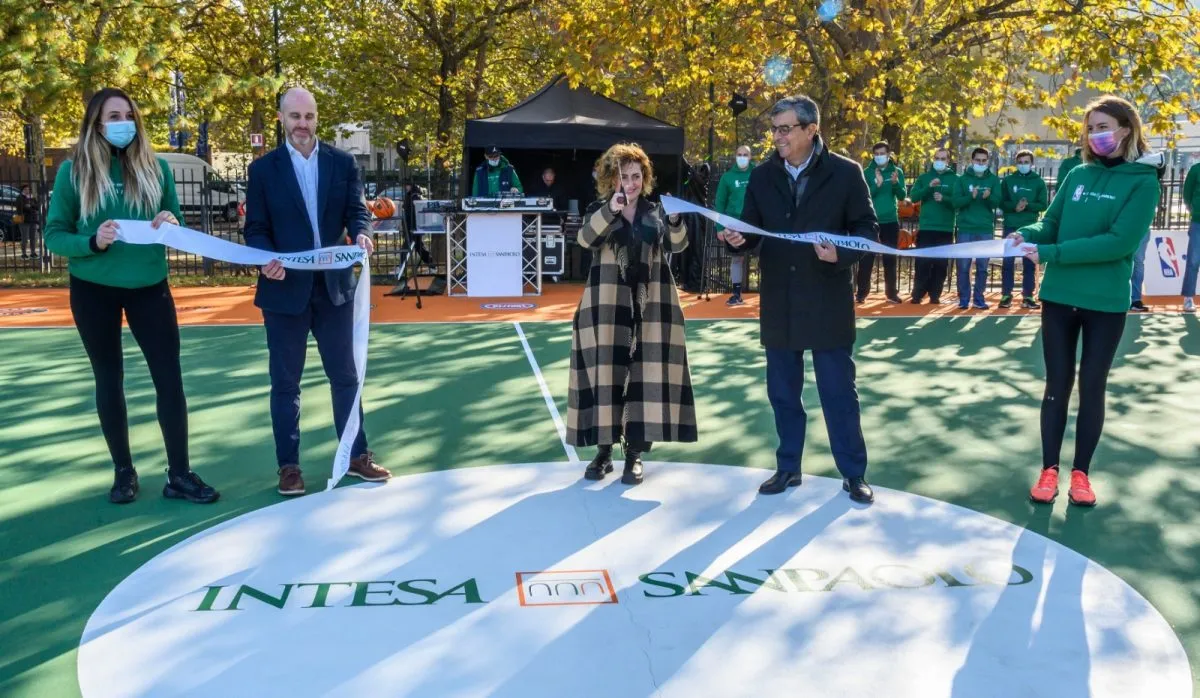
<point x="303" y="196"/>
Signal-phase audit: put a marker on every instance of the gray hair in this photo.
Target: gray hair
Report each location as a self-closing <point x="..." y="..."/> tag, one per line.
<point x="805" y="109"/>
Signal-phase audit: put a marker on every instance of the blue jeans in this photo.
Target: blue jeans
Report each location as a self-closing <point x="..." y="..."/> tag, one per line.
<point x="1139" y="269"/>
<point x="964" y="271"/>
<point x="835" y="371"/>
<point x="1008" y="274"/>
<point x="1191" y="260"/>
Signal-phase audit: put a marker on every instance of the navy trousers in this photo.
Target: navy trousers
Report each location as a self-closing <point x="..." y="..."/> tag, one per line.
<point x="839" y="401"/>
<point x="287" y="343"/>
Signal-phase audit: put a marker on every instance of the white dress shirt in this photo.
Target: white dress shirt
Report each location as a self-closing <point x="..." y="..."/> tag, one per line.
<point x="306" y="175"/>
<point x="797" y="171"/>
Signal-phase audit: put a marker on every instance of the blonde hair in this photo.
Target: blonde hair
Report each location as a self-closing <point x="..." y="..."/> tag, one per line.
<point x="608" y="168"/>
<point x="92" y="159"/>
<point x="1135" y="144"/>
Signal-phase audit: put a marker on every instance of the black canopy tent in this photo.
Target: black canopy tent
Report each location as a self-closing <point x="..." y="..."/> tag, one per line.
<point x="568" y="128"/>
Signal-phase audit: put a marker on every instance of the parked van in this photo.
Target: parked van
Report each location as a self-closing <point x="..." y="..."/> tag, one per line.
<point x="199" y="188"/>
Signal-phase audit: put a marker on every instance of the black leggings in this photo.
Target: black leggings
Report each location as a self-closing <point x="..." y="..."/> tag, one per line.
<point x="1061" y="328"/>
<point x="150" y="312"/>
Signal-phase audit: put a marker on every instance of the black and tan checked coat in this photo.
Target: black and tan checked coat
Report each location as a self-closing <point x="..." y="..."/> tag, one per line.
<point x="629" y="378"/>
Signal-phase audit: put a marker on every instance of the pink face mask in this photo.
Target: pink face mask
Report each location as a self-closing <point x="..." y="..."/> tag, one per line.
<point x="1103" y="143"/>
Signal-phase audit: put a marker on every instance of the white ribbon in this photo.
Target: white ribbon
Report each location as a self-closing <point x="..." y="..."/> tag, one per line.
<point x="962" y="250"/>
<point x="340" y="257"/>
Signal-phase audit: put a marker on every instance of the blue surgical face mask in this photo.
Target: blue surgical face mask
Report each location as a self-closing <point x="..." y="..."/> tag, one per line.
<point x="494" y="162"/>
<point x="1024" y="169"/>
<point x="120" y="133"/>
<point x="940" y="165"/>
<point x="743" y="161"/>
<point x="979" y="169"/>
<point x="881" y="160"/>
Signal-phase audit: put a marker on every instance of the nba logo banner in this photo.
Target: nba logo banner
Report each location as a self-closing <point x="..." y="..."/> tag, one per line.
<point x="1167" y="257"/>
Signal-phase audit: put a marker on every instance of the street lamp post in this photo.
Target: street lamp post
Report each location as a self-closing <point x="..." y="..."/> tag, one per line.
<point x="278" y="72"/>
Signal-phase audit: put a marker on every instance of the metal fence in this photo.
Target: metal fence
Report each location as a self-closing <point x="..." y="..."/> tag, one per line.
<point x="213" y="203"/>
<point x="209" y="202"/>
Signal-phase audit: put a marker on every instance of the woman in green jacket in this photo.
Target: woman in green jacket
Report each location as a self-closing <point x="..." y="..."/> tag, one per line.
<point x="113" y="175"/>
<point x="1087" y="239"/>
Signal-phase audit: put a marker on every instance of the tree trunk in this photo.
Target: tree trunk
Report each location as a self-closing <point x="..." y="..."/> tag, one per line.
<point x="445" y="122"/>
<point x="893" y="132"/>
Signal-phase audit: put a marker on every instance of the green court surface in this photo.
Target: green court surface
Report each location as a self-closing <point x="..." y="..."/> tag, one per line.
<point x="950" y="411"/>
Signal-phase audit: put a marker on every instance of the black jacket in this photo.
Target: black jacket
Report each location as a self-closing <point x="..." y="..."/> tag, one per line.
<point x="807" y="303"/>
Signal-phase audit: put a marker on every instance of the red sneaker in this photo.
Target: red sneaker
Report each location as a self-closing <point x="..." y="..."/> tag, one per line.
<point x="1081" y="493"/>
<point x="1046" y="489"/>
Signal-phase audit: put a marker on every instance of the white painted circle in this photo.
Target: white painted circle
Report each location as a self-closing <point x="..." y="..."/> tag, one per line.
<point x="907" y="597"/>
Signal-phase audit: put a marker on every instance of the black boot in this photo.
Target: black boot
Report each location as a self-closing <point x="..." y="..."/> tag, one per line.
<point x="601" y="465"/>
<point x="633" y="463"/>
<point x="125" y="486"/>
<point x="189" y="486"/>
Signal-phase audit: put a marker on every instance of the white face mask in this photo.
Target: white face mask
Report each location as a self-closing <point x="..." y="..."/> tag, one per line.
<point x="1024" y="169"/>
<point x="979" y="169"/>
<point x="881" y="160"/>
<point x="743" y="161"/>
<point x="494" y="161"/>
<point x="939" y="165"/>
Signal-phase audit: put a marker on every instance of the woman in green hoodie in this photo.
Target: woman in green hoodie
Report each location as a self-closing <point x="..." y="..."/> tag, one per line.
<point x="114" y="175"/>
<point x="1087" y="239"/>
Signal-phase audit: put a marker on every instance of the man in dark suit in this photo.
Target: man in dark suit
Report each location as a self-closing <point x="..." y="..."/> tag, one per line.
<point x="302" y="196"/>
<point x="807" y="294"/>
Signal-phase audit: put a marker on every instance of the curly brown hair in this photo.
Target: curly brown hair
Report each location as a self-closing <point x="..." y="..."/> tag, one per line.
<point x="608" y="168"/>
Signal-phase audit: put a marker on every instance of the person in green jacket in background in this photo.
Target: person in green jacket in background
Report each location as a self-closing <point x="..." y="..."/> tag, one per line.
<point x="731" y="192"/>
<point x="1087" y="239"/>
<point x="934" y="190"/>
<point x="885" y="181"/>
<point x="113" y="175"/>
<point x="1068" y="164"/>
<point x="976" y="197"/>
<point x="1191" y="197"/>
<point x="1025" y="197"/>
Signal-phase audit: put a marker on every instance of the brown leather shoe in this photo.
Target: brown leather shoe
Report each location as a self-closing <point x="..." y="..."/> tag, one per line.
<point x="290" y="482"/>
<point x="366" y="468"/>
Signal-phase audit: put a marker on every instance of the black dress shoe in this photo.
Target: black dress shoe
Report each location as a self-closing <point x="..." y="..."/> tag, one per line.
<point x="633" y="467"/>
<point x="780" y="481"/>
<point x="859" y="490"/>
<point x="600" y="465"/>
<point x="125" y="486"/>
<point x="189" y="486"/>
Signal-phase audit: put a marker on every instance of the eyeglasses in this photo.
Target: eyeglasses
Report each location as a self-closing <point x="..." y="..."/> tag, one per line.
<point x="785" y="129"/>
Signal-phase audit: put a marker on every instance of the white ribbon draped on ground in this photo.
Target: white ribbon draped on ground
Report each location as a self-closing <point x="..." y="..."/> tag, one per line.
<point x="341" y="257"/>
<point x="961" y="250"/>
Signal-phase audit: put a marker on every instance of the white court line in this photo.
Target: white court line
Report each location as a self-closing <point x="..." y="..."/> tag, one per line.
<point x="572" y="456"/>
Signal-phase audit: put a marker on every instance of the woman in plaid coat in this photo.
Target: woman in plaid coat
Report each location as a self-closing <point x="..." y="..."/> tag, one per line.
<point x="629" y="368"/>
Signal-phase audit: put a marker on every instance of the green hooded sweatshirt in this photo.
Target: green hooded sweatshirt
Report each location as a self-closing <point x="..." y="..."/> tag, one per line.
<point x="977" y="214"/>
<point x="937" y="216"/>
<point x="1067" y="165"/>
<point x="1030" y="187"/>
<point x="1092" y="229"/>
<point x="884" y="196"/>
<point x="70" y="235"/>
<point x="1191" y="191"/>
<point x="731" y="192"/>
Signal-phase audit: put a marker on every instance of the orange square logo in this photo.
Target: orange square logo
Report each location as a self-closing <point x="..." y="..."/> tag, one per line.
<point x="565" y="588"/>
